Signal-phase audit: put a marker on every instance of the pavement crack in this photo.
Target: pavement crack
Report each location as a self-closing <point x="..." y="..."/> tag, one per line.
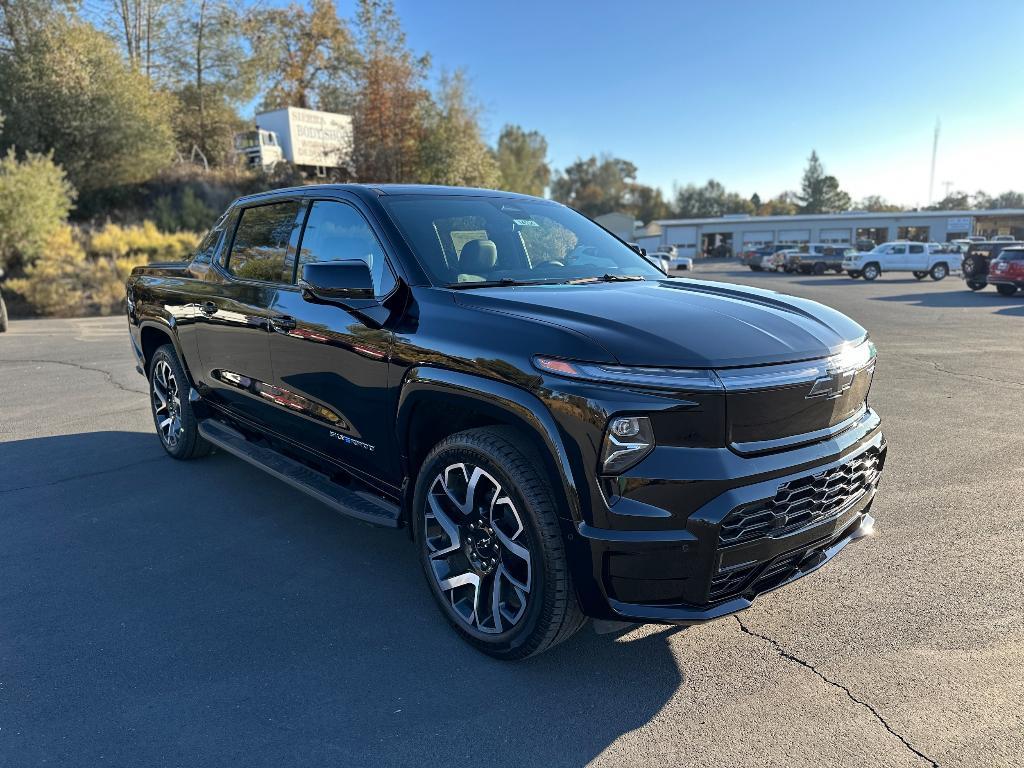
<point x="948" y="372"/>
<point x="82" y="476"/>
<point x="82" y="367"/>
<point x="850" y="694"/>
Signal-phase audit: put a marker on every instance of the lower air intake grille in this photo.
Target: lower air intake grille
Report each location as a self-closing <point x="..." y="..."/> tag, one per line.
<point x="801" y="502"/>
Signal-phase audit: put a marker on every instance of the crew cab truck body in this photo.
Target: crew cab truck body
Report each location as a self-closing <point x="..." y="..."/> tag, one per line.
<point x="920" y="259"/>
<point x="482" y="368"/>
<point x="816" y="258"/>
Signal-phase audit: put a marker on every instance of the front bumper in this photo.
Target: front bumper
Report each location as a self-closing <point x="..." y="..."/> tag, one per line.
<point x="692" y="574"/>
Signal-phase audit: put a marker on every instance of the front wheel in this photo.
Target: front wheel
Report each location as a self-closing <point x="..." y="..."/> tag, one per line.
<point x="939" y="272"/>
<point x="176" y="422"/>
<point x="1006" y="290"/>
<point x="819" y="268"/>
<point x="872" y="271"/>
<point x="920" y="275"/>
<point x="490" y="544"/>
<point x="976" y="285"/>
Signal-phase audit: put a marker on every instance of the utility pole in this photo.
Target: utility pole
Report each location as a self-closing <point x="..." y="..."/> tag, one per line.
<point x="935" y="149"/>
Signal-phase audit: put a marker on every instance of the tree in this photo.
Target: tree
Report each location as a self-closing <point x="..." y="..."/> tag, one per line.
<point x="646" y="203"/>
<point x="755" y="200"/>
<point x="522" y="161"/>
<point x="388" y="96"/>
<point x="596" y="185"/>
<point x="877" y="204"/>
<point x="710" y="200"/>
<point x="35" y="199"/>
<point x="301" y="51"/>
<point x="783" y="204"/>
<point x="211" y="74"/>
<point x="68" y="90"/>
<point x="954" y="201"/>
<point x="820" y="193"/>
<point x="142" y="26"/>
<point x="452" y="151"/>
<point x="1006" y="200"/>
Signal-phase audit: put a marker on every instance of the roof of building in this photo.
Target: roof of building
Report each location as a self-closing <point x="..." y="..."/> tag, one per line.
<point x="852" y="215"/>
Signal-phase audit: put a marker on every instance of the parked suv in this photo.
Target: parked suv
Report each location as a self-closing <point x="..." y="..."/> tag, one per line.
<point x="920" y="259"/>
<point x="977" y="261"/>
<point x="818" y="258"/>
<point x="565" y="431"/>
<point x="1006" y="271"/>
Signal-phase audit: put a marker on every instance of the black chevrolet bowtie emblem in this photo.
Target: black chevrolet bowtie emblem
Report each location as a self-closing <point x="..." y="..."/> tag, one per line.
<point x="832" y="385"/>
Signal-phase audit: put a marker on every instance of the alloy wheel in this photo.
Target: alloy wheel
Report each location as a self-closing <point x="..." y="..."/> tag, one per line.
<point x="478" y="549"/>
<point x="166" y="403"/>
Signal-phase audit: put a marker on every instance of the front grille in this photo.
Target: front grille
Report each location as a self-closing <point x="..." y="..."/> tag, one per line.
<point x="804" y="501"/>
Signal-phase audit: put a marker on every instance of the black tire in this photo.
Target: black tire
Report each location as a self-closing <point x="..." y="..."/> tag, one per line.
<point x="854" y="273"/>
<point x="976" y="285"/>
<point x="551" y="613"/>
<point x="1006" y="290"/>
<point x="169" y="384"/>
<point x="819" y="268"/>
<point x="940" y="271"/>
<point x="973" y="265"/>
<point x="3" y="315"/>
<point x="871" y="271"/>
<point x="754" y="268"/>
<point x="920" y="275"/>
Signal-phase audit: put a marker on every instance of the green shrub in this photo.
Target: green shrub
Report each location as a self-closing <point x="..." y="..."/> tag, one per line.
<point x="35" y="199"/>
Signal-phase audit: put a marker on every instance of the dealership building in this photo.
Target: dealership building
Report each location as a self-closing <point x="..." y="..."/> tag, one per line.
<point x="742" y="231"/>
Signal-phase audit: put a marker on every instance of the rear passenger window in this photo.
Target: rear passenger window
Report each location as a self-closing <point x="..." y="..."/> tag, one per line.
<point x="260" y="248"/>
<point x="917" y="249"/>
<point x="337" y="232"/>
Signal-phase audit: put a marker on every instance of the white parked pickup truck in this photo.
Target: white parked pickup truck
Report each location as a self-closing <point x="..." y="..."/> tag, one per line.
<point x="921" y="259"/>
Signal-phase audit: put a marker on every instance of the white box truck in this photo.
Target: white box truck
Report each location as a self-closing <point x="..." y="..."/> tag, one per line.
<point x="317" y="143"/>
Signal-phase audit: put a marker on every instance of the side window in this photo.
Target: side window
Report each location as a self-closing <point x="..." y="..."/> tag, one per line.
<point x="260" y="248"/>
<point x="335" y="232"/>
<point x="546" y="240"/>
<point x="917" y="249"/>
<point x="899" y="249"/>
<point x="208" y="247"/>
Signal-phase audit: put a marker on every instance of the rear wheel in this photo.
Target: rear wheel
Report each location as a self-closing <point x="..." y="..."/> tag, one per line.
<point x="972" y="265"/>
<point x="854" y="273"/>
<point x="1006" y="290"/>
<point x="920" y="275"/>
<point x="754" y="268"/>
<point x="819" y="268"/>
<point x="3" y="315"/>
<point x="872" y="271"/>
<point x="939" y="272"/>
<point x="176" y="423"/>
<point x="491" y="546"/>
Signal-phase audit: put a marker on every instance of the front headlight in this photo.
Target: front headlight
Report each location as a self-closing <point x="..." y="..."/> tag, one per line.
<point x="626" y="441"/>
<point x="675" y="379"/>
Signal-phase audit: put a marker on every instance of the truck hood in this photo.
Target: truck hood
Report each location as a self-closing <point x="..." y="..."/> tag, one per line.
<point x="678" y="322"/>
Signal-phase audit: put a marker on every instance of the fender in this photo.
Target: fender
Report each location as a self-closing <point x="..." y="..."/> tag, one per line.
<point x="504" y="400"/>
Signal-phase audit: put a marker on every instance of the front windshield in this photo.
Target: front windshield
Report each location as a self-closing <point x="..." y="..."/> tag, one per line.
<point x="460" y="241"/>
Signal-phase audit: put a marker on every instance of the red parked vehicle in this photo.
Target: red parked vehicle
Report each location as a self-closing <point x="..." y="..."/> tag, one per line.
<point x="1006" y="271"/>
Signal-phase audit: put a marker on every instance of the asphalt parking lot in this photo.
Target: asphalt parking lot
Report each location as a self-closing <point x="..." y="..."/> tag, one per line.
<point x="159" y="613"/>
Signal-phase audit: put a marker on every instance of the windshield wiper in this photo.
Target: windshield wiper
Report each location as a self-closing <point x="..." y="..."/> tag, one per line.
<point x="505" y="281"/>
<point x="605" y="278"/>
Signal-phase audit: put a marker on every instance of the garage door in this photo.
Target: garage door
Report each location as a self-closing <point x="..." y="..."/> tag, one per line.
<point x="757" y="239"/>
<point x="796" y="236"/>
<point x="837" y="236"/>
<point x="683" y="238"/>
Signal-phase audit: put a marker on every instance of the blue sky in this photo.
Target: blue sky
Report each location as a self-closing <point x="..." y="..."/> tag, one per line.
<point x="742" y="91"/>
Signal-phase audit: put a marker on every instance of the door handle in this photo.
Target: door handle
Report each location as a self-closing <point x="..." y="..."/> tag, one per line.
<point x="208" y="308"/>
<point x="282" y="323"/>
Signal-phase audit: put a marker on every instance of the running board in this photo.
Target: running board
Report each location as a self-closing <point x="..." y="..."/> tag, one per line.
<point x="358" y="504"/>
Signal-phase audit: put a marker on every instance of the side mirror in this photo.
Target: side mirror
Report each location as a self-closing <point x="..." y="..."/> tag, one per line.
<point x="348" y="280"/>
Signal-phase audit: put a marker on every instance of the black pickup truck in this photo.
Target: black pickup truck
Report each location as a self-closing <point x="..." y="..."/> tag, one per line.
<point x="565" y="431"/>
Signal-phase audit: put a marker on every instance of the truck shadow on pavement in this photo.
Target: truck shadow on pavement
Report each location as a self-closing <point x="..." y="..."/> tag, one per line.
<point x="961" y="299"/>
<point x="202" y="613"/>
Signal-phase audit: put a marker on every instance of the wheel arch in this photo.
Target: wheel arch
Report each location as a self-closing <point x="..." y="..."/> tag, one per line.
<point x="435" y="403"/>
<point x="153" y="335"/>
